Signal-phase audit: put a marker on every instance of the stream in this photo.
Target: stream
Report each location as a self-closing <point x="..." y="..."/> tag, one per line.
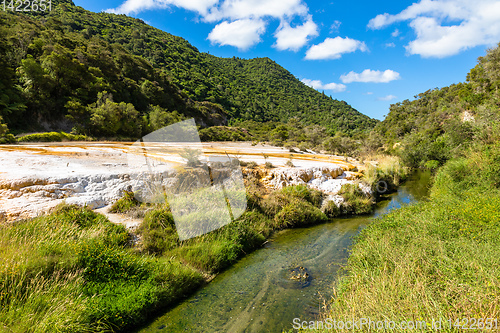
<point x="257" y="295"/>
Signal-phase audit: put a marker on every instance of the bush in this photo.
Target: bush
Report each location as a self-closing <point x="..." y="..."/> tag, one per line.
<point x="125" y="203"/>
<point x="257" y="221"/>
<point x="210" y="257"/>
<point x="432" y="164"/>
<point x="269" y="165"/>
<point x="273" y="204"/>
<point x="224" y="133"/>
<point x="7" y="138"/>
<point x="355" y="201"/>
<point x="313" y="196"/>
<point x="251" y="165"/>
<point x="331" y="209"/>
<point x="158" y="231"/>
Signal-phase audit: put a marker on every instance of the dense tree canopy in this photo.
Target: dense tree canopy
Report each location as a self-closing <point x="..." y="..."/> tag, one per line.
<point x="56" y="64"/>
<point x="441" y="123"/>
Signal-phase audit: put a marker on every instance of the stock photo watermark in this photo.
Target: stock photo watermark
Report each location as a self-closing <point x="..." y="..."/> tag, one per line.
<point x="385" y="325"/>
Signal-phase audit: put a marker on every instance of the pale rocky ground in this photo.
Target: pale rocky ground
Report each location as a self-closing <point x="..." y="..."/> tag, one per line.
<point x="37" y="177"/>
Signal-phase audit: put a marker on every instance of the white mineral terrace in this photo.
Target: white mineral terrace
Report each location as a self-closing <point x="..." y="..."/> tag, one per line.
<point x="36" y="177"/>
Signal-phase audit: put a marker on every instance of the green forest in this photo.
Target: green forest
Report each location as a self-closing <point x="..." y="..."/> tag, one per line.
<point x="113" y="76"/>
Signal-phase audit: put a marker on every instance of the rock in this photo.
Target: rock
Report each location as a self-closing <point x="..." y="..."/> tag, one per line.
<point x="281" y="177"/>
<point x="300" y="275"/>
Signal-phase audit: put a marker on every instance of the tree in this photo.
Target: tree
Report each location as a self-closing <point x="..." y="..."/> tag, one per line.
<point x="109" y="118"/>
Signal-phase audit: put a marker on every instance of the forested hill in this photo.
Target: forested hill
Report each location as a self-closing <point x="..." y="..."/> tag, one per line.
<point x="98" y="69"/>
<point x="443" y="123"/>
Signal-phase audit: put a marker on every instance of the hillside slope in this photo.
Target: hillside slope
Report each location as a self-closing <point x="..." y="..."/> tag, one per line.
<point x="442" y="123"/>
<point x="72" y="55"/>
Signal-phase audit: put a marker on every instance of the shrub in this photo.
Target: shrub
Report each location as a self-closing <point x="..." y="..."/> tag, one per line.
<point x="274" y="202"/>
<point x="52" y="137"/>
<point x="269" y="165"/>
<point x="224" y="133"/>
<point x="210" y="257"/>
<point x="158" y="231"/>
<point x="299" y="213"/>
<point x="432" y="164"/>
<point x="331" y="209"/>
<point x="251" y="165"/>
<point x="313" y="196"/>
<point x="247" y="235"/>
<point x="125" y="203"/>
<point x="355" y="201"/>
<point x="7" y="138"/>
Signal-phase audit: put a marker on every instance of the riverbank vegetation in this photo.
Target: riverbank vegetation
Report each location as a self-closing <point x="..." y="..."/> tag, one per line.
<point x="440" y="259"/>
<point x="75" y="271"/>
<point x="434" y="260"/>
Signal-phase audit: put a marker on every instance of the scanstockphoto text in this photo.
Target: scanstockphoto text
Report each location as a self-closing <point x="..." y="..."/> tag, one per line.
<point x="384" y="325"/>
<point x="26" y="5"/>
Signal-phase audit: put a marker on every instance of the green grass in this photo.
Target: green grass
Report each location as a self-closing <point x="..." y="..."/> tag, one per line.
<point x="355" y="201"/>
<point x="125" y="204"/>
<point x="52" y="137"/>
<point x="438" y="259"/>
<point x="73" y="271"/>
<point x="389" y="170"/>
<point x="210" y="253"/>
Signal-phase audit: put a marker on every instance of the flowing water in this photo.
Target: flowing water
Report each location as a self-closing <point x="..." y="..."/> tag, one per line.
<point x="257" y="294"/>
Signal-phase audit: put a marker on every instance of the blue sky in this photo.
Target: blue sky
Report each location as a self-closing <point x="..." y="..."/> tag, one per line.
<point x="368" y="53"/>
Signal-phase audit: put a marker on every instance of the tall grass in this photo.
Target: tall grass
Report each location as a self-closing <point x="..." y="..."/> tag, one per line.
<point x="389" y="169"/>
<point x="210" y="253"/>
<point x="434" y="260"/>
<point x="72" y="271"/>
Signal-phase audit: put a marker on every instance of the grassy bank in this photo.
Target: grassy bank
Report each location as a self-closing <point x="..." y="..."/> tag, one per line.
<point x="435" y="260"/>
<point x="74" y="271"/>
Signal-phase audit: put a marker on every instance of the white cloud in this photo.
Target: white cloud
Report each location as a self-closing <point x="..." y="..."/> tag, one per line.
<point x="231" y="13"/>
<point x="390" y="45"/>
<point x="317" y="84"/>
<point x="136" y="6"/>
<point x="333" y="48"/>
<point x="239" y="9"/>
<point x="447" y="27"/>
<point x="395" y="33"/>
<point x="369" y="75"/>
<point x="335" y="26"/>
<point x="241" y="33"/>
<point x="387" y="98"/>
<point x="288" y="38"/>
